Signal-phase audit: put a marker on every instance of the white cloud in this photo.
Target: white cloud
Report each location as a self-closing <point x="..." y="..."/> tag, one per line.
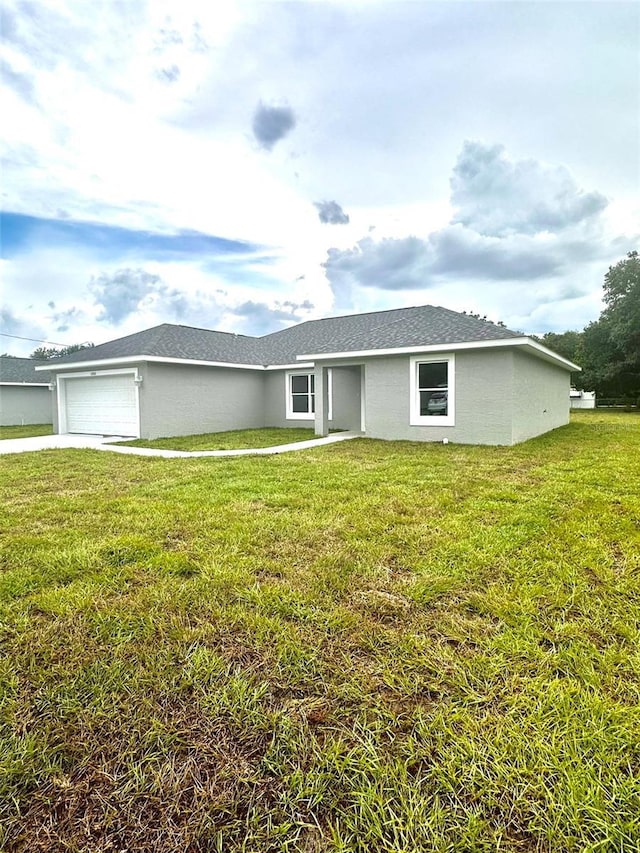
<point x="497" y="196"/>
<point x="141" y="115"/>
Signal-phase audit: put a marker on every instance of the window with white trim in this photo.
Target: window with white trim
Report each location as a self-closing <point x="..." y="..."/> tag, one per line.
<point x="432" y="391"/>
<point x="301" y="396"/>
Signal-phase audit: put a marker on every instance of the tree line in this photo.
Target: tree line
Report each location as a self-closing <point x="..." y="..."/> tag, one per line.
<point x="608" y="349"/>
<point x="46" y="353"/>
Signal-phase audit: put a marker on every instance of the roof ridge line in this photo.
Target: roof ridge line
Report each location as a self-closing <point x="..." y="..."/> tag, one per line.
<point x="346" y="317"/>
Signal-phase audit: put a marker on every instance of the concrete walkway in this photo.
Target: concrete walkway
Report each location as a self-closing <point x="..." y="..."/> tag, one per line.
<point x="47" y="442"/>
<point x="99" y="442"/>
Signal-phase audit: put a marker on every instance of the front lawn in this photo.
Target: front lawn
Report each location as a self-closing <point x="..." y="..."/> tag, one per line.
<point x="25" y="431"/>
<point x="232" y="440"/>
<point x="368" y="647"/>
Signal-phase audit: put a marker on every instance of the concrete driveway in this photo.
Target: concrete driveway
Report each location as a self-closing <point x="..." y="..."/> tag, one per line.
<point x="101" y="442"/>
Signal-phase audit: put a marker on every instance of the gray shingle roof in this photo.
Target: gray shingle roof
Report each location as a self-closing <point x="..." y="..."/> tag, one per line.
<point x="22" y="370"/>
<point x="403" y="327"/>
<point x="170" y="341"/>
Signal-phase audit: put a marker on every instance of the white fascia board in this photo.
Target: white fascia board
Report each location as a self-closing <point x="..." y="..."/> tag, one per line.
<point x="297" y="366"/>
<point x="27" y="384"/>
<point x="548" y="355"/>
<point x="538" y="349"/>
<point x="111" y="372"/>
<point x="157" y="359"/>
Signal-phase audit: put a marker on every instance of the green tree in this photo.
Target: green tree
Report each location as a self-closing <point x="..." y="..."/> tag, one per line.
<point x="45" y="353"/>
<point x="570" y="346"/>
<point x="566" y="344"/>
<point x="612" y="343"/>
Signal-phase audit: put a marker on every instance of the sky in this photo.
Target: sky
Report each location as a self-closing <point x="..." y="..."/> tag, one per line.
<point x="244" y="166"/>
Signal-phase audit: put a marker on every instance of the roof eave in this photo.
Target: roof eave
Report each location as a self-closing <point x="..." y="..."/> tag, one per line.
<point x="526" y="342"/>
<point x="26" y="384"/>
<point x="550" y="356"/>
<point x="135" y="359"/>
<point x="307" y="359"/>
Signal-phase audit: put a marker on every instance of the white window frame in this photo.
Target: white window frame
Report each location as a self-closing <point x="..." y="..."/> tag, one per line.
<point x="305" y="416"/>
<point x="415" y="418"/>
<point x="291" y="415"/>
<point x="61" y="382"/>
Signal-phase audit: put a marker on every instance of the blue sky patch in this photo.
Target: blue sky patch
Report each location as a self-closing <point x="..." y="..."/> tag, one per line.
<point x="22" y="233"/>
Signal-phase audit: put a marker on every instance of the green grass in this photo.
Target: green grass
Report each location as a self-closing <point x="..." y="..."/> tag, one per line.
<point x="233" y="440"/>
<point x="25" y="431"/>
<point x="370" y="646"/>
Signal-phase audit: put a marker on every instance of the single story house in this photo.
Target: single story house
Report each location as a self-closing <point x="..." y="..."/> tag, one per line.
<point x="422" y="374"/>
<point x="24" y="394"/>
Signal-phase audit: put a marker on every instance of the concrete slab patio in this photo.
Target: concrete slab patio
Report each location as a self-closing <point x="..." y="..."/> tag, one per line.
<point x="100" y="442"/>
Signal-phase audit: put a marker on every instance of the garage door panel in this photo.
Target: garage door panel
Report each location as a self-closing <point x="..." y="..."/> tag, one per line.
<point x="103" y="405"/>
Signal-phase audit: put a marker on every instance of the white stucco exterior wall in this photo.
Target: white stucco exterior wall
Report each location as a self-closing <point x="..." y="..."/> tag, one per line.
<point x="25" y="404"/>
<point x="178" y="399"/>
<point x="540" y="397"/>
<point x="483" y="385"/>
<point x="502" y="397"/>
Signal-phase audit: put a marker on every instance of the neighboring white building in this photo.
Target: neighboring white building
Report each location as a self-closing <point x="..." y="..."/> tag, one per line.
<point x="582" y="399"/>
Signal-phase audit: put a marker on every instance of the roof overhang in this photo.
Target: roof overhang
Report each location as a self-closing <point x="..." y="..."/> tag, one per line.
<point x="525" y="343"/>
<point x="308" y="359"/>
<point x="299" y="365"/>
<point x="27" y="384"/>
<point x="136" y="359"/>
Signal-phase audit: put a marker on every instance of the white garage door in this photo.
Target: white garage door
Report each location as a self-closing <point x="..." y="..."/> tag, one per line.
<point x="103" y="405"/>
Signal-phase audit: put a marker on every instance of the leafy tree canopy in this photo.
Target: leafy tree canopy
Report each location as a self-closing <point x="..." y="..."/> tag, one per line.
<point x="46" y="353"/>
<point x="608" y="350"/>
<point x="612" y="343"/>
<point x="570" y="346"/>
<point x="622" y="284"/>
<point x="567" y="344"/>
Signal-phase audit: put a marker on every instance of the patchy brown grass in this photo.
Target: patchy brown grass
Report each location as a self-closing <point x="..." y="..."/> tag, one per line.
<point x="369" y="646"/>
